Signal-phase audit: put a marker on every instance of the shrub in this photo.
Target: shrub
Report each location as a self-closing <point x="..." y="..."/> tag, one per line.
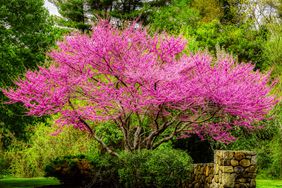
<point x="83" y="170"/>
<point x="71" y="170"/>
<point x="106" y="172"/>
<point x="155" y="168"/>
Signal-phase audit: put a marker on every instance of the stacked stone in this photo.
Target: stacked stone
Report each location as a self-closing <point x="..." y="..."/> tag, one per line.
<point x="234" y="169"/>
<point x="202" y="175"/>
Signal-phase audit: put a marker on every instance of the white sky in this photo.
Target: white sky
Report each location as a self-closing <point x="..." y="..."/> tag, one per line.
<point x="51" y="7"/>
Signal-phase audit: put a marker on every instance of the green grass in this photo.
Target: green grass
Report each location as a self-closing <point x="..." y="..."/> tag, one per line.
<point x="27" y="182"/>
<point x="37" y="182"/>
<point x="269" y="183"/>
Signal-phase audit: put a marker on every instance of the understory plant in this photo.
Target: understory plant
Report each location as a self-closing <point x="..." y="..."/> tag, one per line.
<point x="81" y="170"/>
<point x="146" y="86"/>
<point x="164" y="167"/>
<point x="29" y="159"/>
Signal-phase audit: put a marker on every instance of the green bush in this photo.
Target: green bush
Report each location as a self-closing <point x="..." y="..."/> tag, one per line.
<point x="100" y="171"/>
<point x="164" y="167"/>
<point x="154" y="168"/>
<point x="71" y="170"/>
<point x="107" y="172"/>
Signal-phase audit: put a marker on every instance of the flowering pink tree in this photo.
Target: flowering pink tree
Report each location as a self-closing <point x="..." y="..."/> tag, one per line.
<point x="146" y="86"/>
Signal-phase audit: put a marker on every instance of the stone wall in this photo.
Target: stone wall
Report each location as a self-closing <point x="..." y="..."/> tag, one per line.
<point x="231" y="169"/>
<point x="234" y="169"/>
<point x="202" y="175"/>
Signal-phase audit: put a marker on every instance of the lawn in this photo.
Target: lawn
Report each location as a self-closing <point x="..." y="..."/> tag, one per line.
<point x="269" y="183"/>
<point x="38" y="182"/>
<point x="27" y="182"/>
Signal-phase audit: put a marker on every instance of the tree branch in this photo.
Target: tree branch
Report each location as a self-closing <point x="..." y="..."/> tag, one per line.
<point x="165" y="139"/>
<point x="178" y="130"/>
<point x="205" y="120"/>
<point x="92" y="133"/>
<point x="157" y="117"/>
<point x="137" y="137"/>
<point x="125" y="132"/>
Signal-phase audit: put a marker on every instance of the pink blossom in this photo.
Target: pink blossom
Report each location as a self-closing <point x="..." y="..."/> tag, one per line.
<point x="113" y="74"/>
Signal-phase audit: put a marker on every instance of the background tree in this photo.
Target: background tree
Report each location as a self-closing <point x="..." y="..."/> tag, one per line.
<point x="146" y="86"/>
<point x="81" y="14"/>
<point x="174" y="17"/>
<point x="75" y="12"/>
<point x="265" y="11"/>
<point x="201" y="23"/>
<point x="227" y="11"/>
<point x="209" y="10"/>
<point x="242" y="41"/>
<point x="26" y="34"/>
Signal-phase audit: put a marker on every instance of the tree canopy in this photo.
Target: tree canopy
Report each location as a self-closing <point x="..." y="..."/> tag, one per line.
<point x="146" y="86"/>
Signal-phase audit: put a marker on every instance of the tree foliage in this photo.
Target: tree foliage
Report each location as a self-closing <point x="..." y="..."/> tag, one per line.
<point x="203" y="26"/>
<point x="81" y="14"/>
<point x="209" y="10"/>
<point x="26" y="33"/>
<point x="172" y="18"/>
<point x="146" y="86"/>
<point x="75" y="13"/>
<point x="227" y="11"/>
<point x="242" y="41"/>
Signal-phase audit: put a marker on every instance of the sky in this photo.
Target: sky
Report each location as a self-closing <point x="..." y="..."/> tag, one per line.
<point x="51" y="7"/>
